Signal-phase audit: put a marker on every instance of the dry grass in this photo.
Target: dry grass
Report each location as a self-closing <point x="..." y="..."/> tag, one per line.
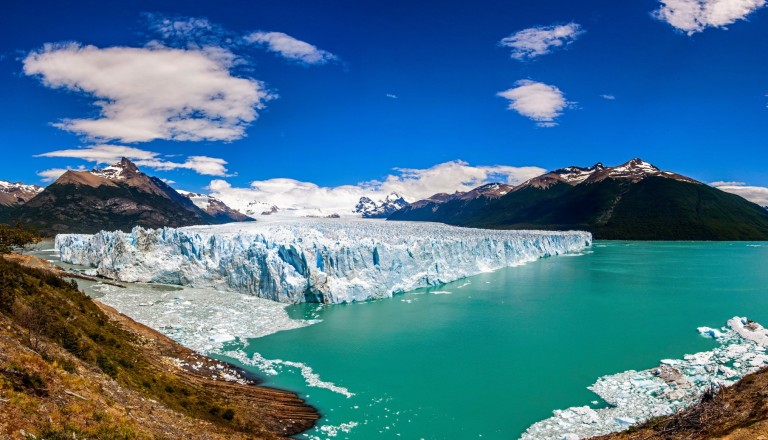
<point x="69" y="366"/>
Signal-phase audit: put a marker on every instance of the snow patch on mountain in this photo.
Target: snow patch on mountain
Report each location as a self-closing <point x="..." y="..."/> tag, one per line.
<point x="575" y="175"/>
<point x="311" y="260"/>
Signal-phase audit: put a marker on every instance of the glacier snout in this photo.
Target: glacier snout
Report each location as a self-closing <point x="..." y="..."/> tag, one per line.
<point x="317" y="260"/>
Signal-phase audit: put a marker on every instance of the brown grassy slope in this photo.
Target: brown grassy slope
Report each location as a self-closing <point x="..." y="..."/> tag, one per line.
<point x="739" y="412"/>
<point x="69" y="366"/>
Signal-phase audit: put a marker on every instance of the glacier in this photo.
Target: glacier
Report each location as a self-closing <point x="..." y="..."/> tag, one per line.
<point x="311" y="260"/>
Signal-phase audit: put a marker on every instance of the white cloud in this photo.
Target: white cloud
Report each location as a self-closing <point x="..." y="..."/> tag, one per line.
<point x="608" y="97"/>
<point x="392" y="96"/>
<point x="305" y="198"/>
<point x="691" y="16"/>
<point x="756" y="194"/>
<point x="209" y="166"/>
<point x="290" y="48"/>
<point x="530" y="43"/>
<point x="535" y="100"/>
<point x="152" y="92"/>
<point x="186" y="31"/>
<point x="102" y="153"/>
<point x="109" y="154"/>
<point x="52" y="174"/>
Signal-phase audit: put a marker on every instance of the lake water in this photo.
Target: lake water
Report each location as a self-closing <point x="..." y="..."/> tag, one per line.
<point x="487" y="356"/>
<point x="483" y="357"/>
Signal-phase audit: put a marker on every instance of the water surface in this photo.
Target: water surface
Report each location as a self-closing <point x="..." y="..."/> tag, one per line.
<point x="489" y="355"/>
<point x="492" y="354"/>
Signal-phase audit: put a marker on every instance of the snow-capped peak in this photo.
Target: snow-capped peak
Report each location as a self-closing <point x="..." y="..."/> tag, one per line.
<point x="635" y="166"/>
<point x="575" y="175"/>
<point x="8" y="187"/>
<point x="636" y="170"/>
<point x="118" y="171"/>
<point x="382" y="209"/>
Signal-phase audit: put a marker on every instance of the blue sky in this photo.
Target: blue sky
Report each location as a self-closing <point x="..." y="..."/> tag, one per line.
<point x="384" y="85"/>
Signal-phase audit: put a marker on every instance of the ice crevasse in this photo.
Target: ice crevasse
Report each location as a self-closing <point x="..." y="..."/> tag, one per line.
<point x="311" y="260"/>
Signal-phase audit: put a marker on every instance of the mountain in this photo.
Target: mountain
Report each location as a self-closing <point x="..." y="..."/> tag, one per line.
<point x="215" y="208"/>
<point x="116" y="197"/>
<point x="635" y="200"/>
<point x="14" y="194"/>
<point x="381" y="209"/>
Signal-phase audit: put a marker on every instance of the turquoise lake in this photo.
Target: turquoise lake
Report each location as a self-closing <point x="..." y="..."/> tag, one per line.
<point x="487" y="356"/>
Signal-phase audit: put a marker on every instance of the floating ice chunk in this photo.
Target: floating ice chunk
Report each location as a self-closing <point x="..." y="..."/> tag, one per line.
<point x="749" y="330"/>
<point x="625" y="421"/>
<point x="312" y="260"/>
<point x="711" y="332"/>
<point x="272" y="367"/>
<point x="221" y="337"/>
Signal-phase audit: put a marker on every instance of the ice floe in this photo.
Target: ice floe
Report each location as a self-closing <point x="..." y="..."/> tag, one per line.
<point x="636" y="396"/>
<point x="201" y="319"/>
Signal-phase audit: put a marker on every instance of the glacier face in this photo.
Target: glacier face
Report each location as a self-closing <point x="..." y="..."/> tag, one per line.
<point x="311" y="260"/>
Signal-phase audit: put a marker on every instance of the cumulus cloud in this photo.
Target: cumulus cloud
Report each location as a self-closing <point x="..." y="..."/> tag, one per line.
<point x="530" y="43"/>
<point x="152" y="93"/>
<point x="306" y="198"/>
<point x="756" y="194"/>
<point x="391" y="96"/>
<point x="608" y="97"/>
<point x="109" y="154"/>
<point x="290" y="48"/>
<point x="691" y="16"/>
<point x="540" y="102"/>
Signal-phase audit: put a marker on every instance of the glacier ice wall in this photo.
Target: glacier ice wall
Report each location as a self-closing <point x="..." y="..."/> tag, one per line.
<point x="311" y="260"/>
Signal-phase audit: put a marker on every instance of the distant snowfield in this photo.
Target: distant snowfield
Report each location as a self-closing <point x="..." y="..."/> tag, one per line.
<point x="294" y="260"/>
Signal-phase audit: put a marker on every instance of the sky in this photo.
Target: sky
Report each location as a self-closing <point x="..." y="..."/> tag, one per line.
<point x="294" y="100"/>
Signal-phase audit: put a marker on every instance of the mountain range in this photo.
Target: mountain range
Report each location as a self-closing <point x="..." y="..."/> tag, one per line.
<point x="119" y="196"/>
<point x="15" y="194"/>
<point x="635" y="200"/>
<point x="632" y="201"/>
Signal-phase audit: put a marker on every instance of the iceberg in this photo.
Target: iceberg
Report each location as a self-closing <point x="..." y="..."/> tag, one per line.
<point x="311" y="260"/>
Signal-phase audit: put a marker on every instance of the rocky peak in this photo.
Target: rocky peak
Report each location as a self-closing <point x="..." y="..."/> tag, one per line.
<point x="122" y="170"/>
<point x="635" y="170"/>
